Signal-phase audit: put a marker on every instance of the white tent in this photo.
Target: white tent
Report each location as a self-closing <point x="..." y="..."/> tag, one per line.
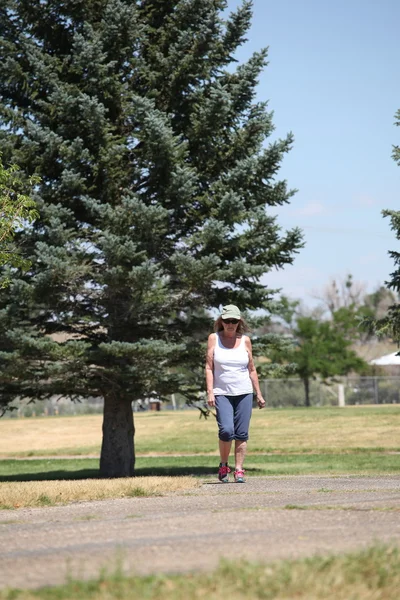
<point x="387" y="360"/>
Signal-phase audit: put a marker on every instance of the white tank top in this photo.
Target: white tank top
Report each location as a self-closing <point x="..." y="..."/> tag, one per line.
<point x="231" y="373"/>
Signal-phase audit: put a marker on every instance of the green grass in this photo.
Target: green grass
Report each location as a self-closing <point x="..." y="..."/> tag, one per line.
<point x="358" y="463"/>
<point x="276" y="430"/>
<point x="44" y="500"/>
<point x="289" y="430"/>
<point x="370" y="574"/>
<point x="296" y="441"/>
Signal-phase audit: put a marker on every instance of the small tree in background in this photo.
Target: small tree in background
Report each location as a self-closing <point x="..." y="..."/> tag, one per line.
<point x="348" y="305"/>
<point x="316" y="347"/>
<point x="341" y="293"/>
<point x="322" y="350"/>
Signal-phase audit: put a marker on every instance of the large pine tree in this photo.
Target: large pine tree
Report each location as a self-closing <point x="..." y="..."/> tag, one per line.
<point x="155" y="180"/>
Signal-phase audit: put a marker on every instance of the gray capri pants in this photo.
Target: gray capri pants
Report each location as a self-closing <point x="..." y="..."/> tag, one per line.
<point x="233" y="416"/>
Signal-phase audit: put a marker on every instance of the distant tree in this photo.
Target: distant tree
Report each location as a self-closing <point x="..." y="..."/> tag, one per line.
<point x="378" y="301"/>
<point x="341" y="293"/>
<point x="322" y="350"/>
<point x="348" y="306"/>
<point x="316" y="347"/>
<point x="16" y="211"/>
<point x="156" y="182"/>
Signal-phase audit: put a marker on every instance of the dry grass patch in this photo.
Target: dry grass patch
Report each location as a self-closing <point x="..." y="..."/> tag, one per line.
<point x="46" y="435"/>
<point x="24" y="494"/>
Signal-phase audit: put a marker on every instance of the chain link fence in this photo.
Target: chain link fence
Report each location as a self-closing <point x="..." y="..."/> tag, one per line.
<point x="55" y="407"/>
<point x="278" y="393"/>
<point x="346" y="391"/>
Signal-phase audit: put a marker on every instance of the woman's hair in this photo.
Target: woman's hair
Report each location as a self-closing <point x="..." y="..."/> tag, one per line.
<point x="241" y="328"/>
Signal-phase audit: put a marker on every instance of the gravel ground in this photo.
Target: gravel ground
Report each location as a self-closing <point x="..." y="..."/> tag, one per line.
<point x="268" y="518"/>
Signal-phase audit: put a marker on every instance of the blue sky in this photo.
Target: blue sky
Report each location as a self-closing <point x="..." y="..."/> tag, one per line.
<point x="333" y="80"/>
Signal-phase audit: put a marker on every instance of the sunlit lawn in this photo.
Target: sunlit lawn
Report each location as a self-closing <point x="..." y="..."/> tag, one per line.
<point x="317" y="430"/>
<point x="204" y="467"/>
<point x="176" y="451"/>
<point x="175" y="445"/>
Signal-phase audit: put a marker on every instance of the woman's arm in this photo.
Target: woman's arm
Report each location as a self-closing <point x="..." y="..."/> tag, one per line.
<point x="210" y="370"/>
<point x="253" y="374"/>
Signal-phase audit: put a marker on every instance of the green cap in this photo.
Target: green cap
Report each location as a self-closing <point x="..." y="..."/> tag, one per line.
<point x="230" y="311"/>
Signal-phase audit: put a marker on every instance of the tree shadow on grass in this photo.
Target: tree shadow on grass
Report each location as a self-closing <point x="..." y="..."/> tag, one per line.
<point x="94" y="473"/>
<point x="180" y="471"/>
<point x="52" y="475"/>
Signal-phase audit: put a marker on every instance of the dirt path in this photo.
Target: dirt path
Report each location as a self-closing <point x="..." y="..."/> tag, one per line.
<point x="266" y="519"/>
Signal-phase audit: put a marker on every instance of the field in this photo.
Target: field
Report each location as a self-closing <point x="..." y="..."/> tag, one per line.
<point x="174" y="447"/>
<point x="315" y="430"/>
<point x="54" y="460"/>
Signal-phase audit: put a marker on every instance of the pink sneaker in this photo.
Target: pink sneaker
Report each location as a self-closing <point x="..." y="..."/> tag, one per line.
<point x="223" y="473"/>
<point x="239" y="476"/>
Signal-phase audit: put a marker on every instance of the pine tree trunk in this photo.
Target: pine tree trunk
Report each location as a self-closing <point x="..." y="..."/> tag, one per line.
<point x="117" y="451"/>
<point x="307" y="390"/>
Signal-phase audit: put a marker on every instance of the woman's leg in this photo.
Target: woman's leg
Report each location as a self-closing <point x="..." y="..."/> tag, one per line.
<point x="240" y="453"/>
<point x="226" y="427"/>
<point x="242" y="416"/>
<point x="224" y="410"/>
<point x="224" y="450"/>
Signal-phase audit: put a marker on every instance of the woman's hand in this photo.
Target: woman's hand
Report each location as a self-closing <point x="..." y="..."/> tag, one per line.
<point x="210" y="399"/>
<point x="260" y="401"/>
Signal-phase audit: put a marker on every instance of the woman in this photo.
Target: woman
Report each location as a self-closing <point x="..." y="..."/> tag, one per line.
<point x="231" y="377"/>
